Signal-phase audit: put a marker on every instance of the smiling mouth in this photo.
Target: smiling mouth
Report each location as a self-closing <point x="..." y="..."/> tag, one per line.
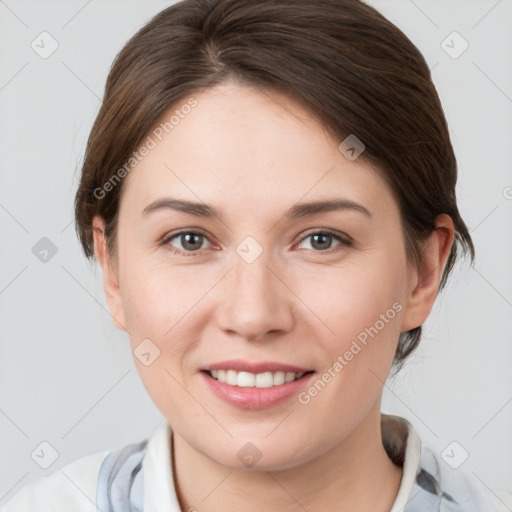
<point x="253" y="380"/>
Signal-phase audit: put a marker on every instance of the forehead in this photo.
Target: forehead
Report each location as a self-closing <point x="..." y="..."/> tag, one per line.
<point x="243" y="147"/>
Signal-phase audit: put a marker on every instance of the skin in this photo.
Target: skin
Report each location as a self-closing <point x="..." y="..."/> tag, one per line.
<point x="253" y="156"/>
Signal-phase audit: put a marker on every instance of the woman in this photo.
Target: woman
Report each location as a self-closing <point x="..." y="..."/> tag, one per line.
<point x="258" y="132"/>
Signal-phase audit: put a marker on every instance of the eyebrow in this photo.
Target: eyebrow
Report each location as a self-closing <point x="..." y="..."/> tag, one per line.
<point x="299" y="210"/>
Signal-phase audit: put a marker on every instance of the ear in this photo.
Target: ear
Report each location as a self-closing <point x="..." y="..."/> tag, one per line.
<point x="110" y="277"/>
<point x="424" y="280"/>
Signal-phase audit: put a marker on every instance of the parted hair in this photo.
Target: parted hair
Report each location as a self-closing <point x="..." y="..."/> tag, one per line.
<point x="354" y="70"/>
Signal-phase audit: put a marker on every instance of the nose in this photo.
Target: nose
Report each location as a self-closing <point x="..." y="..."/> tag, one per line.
<point x="255" y="301"/>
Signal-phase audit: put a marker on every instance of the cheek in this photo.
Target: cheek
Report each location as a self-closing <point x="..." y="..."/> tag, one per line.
<point x="165" y="306"/>
<point x="159" y="305"/>
<point x="362" y="307"/>
<point x="156" y="297"/>
<point x="351" y="298"/>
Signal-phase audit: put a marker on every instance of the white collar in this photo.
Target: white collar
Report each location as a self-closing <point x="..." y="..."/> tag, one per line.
<point x="411" y="448"/>
<point x="159" y="491"/>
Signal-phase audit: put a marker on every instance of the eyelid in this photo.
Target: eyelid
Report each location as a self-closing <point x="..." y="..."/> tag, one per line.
<point x="166" y="239"/>
<point x="344" y="240"/>
<point x="339" y="234"/>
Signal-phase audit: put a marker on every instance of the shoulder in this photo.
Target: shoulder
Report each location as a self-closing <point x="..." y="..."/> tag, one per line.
<point x="433" y="482"/>
<point x="73" y="487"/>
<point x="458" y="489"/>
<point x="500" y="499"/>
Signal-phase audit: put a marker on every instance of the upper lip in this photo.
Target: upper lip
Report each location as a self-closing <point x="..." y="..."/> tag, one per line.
<point x="255" y="367"/>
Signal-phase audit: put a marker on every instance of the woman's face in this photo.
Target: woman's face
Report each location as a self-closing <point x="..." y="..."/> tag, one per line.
<point x="263" y="280"/>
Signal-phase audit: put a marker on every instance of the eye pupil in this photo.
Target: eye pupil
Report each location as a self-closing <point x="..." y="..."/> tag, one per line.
<point x="192" y="241"/>
<point x="321" y="237"/>
<point x="187" y="243"/>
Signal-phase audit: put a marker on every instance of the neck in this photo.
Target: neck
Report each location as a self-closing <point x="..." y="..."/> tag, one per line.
<point x="356" y="475"/>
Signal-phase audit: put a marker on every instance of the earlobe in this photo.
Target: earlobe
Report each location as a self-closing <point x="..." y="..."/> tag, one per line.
<point x="110" y="277"/>
<point x="425" y="280"/>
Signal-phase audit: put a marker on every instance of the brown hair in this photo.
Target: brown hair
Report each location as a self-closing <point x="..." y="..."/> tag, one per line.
<point x="341" y="59"/>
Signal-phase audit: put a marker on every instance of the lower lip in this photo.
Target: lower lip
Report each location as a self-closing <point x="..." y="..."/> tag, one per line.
<point x="255" y="398"/>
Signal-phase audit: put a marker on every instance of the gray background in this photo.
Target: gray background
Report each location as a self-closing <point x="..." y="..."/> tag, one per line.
<point x="66" y="373"/>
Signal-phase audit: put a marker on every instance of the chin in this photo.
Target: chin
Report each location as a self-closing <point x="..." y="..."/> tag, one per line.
<point x="259" y="456"/>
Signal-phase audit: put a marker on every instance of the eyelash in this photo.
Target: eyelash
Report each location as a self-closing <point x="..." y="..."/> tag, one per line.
<point x="344" y="242"/>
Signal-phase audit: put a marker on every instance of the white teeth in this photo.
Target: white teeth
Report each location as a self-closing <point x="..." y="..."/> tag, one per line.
<point x="246" y="380"/>
<point x="290" y="376"/>
<point x="279" y="378"/>
<point x="264" y="380"/>
<point x="251" y="380"/>
<point x="231" y="377"/>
